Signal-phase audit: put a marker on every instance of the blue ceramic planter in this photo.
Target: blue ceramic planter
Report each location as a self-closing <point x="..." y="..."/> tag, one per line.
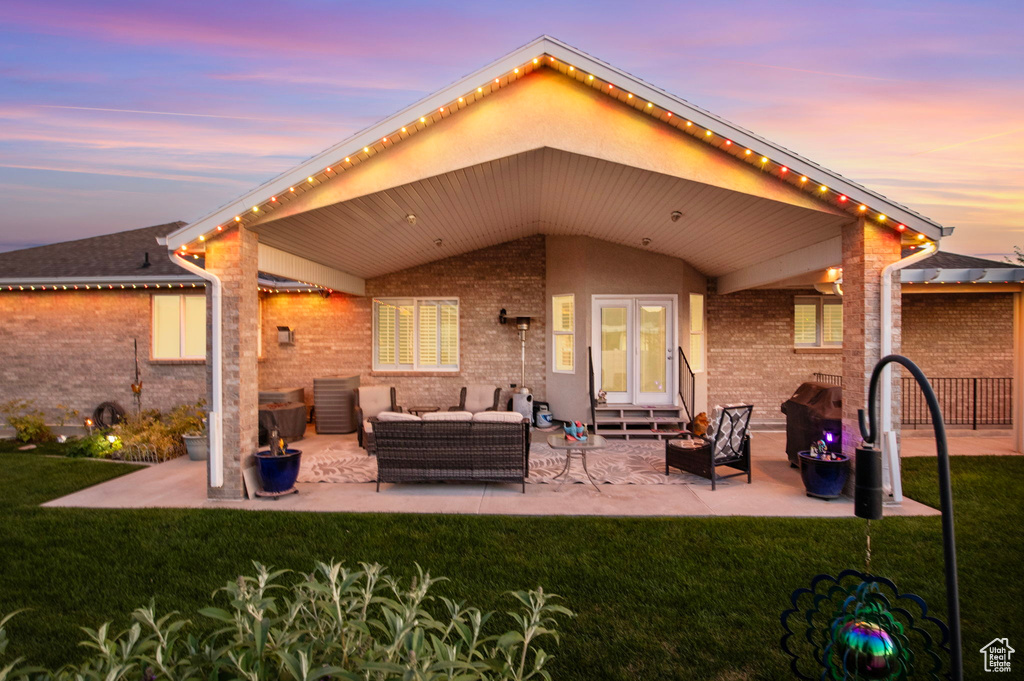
<point x="278" y="473"/>
<point x="824" y="479"/>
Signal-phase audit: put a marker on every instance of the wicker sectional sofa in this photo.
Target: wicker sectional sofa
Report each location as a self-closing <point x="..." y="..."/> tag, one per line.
<point x="451" y="451"/>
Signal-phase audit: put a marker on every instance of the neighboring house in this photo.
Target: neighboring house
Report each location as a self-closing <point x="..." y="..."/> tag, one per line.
<point x="72" y="312"/>
<point x="691" y="261"/>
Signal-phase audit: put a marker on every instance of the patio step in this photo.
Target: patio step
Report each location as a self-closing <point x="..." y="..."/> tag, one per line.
<point x="638" y="420"/>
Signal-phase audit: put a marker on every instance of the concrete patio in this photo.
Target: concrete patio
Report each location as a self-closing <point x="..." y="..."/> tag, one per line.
<point x="776" y="490"/>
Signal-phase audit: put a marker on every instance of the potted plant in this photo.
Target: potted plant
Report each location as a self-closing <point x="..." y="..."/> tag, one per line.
<point x="824" y="472"/>
<point x="188" y="421"/>
<point x="278" y="467"/>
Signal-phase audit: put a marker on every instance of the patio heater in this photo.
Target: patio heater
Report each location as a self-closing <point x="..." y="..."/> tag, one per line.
<point x="523" y="325"/>
<point x="522" y="401"/>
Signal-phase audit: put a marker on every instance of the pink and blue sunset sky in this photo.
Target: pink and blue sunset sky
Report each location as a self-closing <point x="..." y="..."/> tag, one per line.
<point x="121" y="114"/>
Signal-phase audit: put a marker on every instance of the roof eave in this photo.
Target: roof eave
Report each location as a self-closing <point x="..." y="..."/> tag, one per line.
<point x="546" y="45"/>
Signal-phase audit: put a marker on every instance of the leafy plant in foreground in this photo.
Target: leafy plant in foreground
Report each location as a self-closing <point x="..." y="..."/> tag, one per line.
<point x="335" y="623"/>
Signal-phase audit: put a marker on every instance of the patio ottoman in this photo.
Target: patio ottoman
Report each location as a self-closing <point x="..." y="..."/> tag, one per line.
<point x="289" y="418"/>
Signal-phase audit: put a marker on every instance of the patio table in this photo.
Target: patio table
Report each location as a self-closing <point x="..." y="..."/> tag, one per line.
<point x="576" y="448"/>
<point x="420" y="411"/>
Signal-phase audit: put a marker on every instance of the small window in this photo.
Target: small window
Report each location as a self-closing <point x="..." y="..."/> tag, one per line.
<point x="563" y="325"/>
<point x="818" y="322"/>
<point x="415" y="334"/>
<point x="696" y="354"/>
<point x="179" y="327"/>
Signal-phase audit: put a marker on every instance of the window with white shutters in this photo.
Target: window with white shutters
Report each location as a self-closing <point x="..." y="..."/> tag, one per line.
<point x="563" y="324"/>
<point x="415" y="334"/>
<point x="818" y="322"/>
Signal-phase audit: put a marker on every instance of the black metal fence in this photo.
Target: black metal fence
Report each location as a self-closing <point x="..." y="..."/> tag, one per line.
<point x="964" y="401"/>
<point x="973" y="402"/>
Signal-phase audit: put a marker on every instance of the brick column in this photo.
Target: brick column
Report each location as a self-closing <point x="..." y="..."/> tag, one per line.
<point x="867" y="248"/>
<point x="233" y="257"/>
<point x="1018" y="373"/>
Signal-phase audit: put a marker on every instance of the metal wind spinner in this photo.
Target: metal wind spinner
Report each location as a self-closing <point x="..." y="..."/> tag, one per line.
<point x="859" y="626"/>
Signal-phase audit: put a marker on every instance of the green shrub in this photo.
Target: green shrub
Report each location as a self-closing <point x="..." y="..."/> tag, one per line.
<point x="336" y="623"/>
<point x="186" y="419"/>
<point x="94" y="446"/>
<point x="28" y="422"/>
<point x="146" y="431"/>
<point x="65" y="414"/>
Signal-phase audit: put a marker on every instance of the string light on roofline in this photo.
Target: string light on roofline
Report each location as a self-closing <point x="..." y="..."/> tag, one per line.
<point x="708" y="133"/>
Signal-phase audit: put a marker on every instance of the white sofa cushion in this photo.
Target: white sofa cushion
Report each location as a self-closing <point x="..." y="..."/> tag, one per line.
<point x="498" y="417"/>
<point x="397" y="416"/>
<point x="448" y="416"/>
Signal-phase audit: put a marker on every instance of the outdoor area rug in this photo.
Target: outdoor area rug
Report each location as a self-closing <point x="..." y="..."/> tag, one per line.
<point x="621" y="463"/>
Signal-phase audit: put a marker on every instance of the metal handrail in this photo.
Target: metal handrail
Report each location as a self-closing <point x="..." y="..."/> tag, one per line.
<point x="687" y="384"/>
<point x="593" y="395"/>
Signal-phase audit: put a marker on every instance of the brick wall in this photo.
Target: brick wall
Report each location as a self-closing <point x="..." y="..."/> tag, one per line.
<point x="751" y="355"/>
<point x="959" y="334"/>
<point x="75" y="348"/>
<point x="333" y="336"/>
<point x="751" y="358"/>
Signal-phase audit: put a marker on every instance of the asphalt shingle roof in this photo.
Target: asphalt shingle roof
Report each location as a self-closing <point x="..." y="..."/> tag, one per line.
<point x="110" y="255"/>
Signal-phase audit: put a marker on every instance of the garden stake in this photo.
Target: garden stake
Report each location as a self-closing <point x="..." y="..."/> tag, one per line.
<point x="858" y="625"/>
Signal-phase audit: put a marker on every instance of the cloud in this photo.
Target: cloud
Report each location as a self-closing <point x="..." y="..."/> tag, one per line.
<point x="173" y="113"/>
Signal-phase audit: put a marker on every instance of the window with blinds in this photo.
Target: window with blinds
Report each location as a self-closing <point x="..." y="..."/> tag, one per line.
<point x="415" y="334"/>
<point x="817" y="322"/>
<point x="563" y="325"/>
<point x="696" y="355"/>
<point x="179" y="327"/>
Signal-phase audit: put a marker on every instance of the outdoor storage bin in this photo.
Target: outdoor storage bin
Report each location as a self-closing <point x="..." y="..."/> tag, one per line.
<point x="812" y="410"/>
<point x="334" y="399"/>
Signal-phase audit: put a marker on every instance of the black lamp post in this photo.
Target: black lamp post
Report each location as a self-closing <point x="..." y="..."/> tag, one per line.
<point x="868" y="493"/>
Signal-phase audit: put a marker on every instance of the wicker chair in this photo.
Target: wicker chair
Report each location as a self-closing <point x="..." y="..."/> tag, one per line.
<point x="371" y="401"/>
<point x="452" y="451"/>
<point x="727" y="444"/>
<point x="476" y="398"/>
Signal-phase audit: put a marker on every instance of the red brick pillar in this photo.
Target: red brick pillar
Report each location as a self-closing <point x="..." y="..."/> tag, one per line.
<point x="867" y="248"/>
<point x="233" y="257"/>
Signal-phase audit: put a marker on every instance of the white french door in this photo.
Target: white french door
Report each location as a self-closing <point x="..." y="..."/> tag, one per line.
<point x="634" y="348"/>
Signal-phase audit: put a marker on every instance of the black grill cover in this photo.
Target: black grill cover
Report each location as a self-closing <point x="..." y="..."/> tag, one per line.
<point x="813" y="409"/>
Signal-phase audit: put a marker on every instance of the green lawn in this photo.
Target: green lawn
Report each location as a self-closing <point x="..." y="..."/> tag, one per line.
<point x="693" y="598"/>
